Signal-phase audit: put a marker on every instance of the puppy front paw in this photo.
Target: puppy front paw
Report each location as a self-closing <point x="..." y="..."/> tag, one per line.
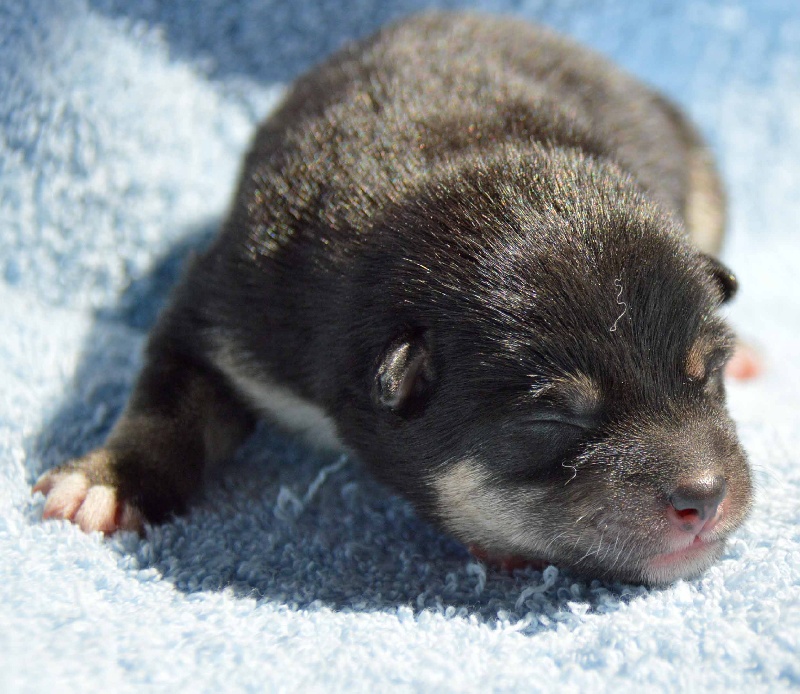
<point x="75" y="493"/>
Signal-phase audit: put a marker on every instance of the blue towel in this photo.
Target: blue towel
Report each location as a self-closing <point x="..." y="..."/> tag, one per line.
<point x="122" y="125"/>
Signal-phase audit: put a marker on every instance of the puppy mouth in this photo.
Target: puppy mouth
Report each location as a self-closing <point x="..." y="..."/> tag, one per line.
<point x="675" y="558"/>
<point x="658" y="570"/>
<point x="686" y="562"/>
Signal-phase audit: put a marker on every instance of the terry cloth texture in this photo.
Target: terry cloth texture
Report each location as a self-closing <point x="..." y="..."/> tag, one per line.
<point x="122" y="125"/>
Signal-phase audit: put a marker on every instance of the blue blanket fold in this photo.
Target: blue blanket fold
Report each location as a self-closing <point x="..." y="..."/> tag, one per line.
<point x="122" y="126"/>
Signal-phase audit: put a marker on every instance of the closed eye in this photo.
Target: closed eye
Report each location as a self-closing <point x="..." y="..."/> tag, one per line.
<point x="532" y="446"/>
<point x="561" y="419"/>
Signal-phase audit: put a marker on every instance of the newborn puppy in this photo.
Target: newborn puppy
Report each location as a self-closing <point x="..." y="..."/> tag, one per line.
<point x="477" y="256"/>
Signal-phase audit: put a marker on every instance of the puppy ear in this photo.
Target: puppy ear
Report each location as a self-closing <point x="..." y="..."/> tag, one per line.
<point x="728" y="284"/>
<point x="404" y="376"/>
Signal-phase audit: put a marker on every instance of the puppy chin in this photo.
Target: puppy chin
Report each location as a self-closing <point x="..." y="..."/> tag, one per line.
<point x="657" y="570"/>
<point x="689" y="562"/>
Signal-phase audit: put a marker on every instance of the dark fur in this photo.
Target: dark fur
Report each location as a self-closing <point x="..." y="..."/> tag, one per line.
<point x="438" y="227"/>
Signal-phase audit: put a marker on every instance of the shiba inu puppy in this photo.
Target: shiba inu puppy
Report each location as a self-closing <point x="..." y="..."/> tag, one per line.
<point x="479" y="257"/>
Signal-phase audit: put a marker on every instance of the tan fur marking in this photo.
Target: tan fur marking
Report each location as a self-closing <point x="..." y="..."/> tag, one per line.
<point x="477" y="513"/>
<point x="697" y="357"/>
<point x="579" y="392"/>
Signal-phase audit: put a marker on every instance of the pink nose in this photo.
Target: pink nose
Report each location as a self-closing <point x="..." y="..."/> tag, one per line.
<point x="694" y="505"/>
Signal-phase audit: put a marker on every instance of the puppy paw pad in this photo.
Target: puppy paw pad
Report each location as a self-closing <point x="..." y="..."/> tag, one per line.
<point x="70" y="496"/>
<point x="65" y="493"/>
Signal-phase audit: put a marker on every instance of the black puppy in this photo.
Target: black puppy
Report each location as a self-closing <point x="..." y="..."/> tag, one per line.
<point x="476" y="255"/>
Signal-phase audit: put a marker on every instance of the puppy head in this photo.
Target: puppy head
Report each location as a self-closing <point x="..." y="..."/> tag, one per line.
<point x="546" y="377"/>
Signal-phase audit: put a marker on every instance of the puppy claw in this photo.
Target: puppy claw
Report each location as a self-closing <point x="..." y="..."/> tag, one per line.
<point x="45" y="483"/>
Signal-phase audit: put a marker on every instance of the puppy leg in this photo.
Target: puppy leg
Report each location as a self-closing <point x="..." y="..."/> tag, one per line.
<point x="705" y="202"/>
<point x="181" y="417"/>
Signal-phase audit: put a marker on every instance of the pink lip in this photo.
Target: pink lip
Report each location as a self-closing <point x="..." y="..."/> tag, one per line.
<point x="697" y="548"/>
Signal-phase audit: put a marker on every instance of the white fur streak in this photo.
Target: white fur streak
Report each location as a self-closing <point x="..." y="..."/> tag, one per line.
<point x="278" y="402"/>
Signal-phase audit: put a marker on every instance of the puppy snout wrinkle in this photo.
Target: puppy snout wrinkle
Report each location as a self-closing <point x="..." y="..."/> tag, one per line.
<point x="695" y="503"/>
